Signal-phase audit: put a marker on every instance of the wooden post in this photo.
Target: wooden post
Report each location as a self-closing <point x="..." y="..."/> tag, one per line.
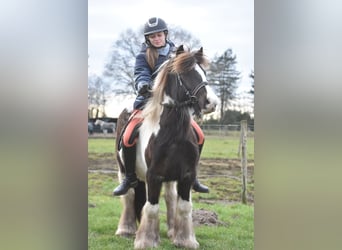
<point x="243" y="145"/>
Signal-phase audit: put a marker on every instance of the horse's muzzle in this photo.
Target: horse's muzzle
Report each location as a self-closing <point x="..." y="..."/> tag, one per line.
<point x="209" y="109"/>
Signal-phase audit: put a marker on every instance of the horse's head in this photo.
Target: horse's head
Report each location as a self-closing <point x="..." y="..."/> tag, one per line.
<point x="191" y="78"/>
<point x="98" y="122"/>
<point x="181" y="84"/>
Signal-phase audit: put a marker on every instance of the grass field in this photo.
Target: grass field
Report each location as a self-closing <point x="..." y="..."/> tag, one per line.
<point x="235" y="229"/>
<point x="214" y="147"/>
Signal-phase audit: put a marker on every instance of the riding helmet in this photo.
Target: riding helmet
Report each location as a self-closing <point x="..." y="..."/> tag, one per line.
<point x="154" y="25"/>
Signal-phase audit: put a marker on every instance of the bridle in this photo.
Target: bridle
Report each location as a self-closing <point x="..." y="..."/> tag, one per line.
<point x="191" y="97"/>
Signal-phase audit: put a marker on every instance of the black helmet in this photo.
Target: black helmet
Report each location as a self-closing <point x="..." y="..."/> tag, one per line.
<point x="154" y="25"/>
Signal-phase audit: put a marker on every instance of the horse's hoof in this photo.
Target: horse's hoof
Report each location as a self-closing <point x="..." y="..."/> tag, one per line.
<point x="190" y="244"/>
<point x="170" y="233"/>
<point x="125" y="233"/>
<point x="143" y="244"/>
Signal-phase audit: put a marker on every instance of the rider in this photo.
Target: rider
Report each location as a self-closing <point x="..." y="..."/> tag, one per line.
<point x="156" y="50"/>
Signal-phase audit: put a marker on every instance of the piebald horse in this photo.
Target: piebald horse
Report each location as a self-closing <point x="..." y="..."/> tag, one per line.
<point x="167" y="152"/>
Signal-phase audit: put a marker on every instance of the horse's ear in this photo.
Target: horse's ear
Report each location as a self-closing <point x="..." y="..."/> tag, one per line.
<point x="200" y="52"/>
<point x="180" y="50"/>
<point x="201" y="58"/>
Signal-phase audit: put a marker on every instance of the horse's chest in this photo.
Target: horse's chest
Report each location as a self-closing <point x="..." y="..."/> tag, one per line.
<point x="146" y="131"/>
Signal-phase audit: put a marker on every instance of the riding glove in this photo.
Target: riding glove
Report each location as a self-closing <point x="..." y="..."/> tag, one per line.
<point x="143" y="88"/>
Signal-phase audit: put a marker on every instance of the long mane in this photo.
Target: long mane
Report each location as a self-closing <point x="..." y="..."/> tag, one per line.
<point x="181" y="63"/>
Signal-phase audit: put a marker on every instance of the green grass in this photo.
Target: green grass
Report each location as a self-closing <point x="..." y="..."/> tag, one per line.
<point x="101" y="145"/>
<point x="225" y="147"/>
<point x="214" y="147"/>
<point x="236" y="231"/>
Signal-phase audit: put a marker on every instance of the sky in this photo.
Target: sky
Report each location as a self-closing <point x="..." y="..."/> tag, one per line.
<point x="218" y="24"/>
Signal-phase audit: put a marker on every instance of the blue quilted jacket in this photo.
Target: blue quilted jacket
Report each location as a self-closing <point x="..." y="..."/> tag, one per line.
<point x="143" y="72"/>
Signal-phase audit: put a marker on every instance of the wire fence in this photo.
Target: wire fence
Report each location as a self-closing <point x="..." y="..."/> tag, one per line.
<point x="225" y="130"/>
<point x="222" y="130"/>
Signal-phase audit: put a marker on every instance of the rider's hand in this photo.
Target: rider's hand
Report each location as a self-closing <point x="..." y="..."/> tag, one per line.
<point x="143" y="88"/>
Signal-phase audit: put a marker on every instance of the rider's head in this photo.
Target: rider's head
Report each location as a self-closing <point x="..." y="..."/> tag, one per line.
<point x="155" y="32"/>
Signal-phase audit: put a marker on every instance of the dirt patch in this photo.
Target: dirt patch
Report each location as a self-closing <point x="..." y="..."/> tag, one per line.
<point x="105" y="161"/>
<point x="222" y="176"/>
<point x="207" y="167"/>
<point x="223" y="167"/>
<point x="205" y="217"/>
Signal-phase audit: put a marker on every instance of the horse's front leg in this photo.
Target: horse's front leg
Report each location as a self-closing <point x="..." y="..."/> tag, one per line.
<point x="170" y="196"/>
<point x="184" y="235"/>
<point x="148" y="232"/>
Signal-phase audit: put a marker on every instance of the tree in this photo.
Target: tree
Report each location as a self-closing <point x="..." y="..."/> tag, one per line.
<point x="119" y="69"/>
<point x="97" y="92"/>
<point x="251" y="75"/>
<point x="235" y="117"/>
<point x="224" y="78"/>
<point x="182" y="37"/>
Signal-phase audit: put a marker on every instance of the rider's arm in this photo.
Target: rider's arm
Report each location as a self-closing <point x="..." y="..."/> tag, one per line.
<point x="142" y="72"/>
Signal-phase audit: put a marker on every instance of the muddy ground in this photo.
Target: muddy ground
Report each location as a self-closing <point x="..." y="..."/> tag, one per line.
<point x="223" y="176"/>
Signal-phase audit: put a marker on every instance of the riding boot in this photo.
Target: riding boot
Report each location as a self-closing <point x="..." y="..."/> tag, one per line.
<point x="131" y="181"/>
<point x="198" y="187"/>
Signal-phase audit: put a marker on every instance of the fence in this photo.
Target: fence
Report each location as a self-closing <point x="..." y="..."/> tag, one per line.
<point x="242" y="130"/>
<point x="226" y="129"/>
<point x="208" y="129"/>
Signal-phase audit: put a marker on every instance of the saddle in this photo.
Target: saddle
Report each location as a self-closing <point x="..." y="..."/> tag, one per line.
<point x="129" y="134"/>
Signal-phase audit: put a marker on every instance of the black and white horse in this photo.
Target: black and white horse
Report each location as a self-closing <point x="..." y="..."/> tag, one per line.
<point x="167" y="152"/>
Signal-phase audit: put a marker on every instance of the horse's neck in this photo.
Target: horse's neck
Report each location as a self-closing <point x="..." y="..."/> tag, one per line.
<point x="175" y="121"/>
<point x="174" y="127"/>
<point x="101" y="123"/>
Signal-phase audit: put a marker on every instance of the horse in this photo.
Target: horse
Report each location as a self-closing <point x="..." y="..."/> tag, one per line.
<point x="167" y="152"/>
<point x="105" y="125"/>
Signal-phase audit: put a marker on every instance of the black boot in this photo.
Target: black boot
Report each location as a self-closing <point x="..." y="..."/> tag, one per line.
<point x="198" y="187"/>
<point x="131" y="181"/>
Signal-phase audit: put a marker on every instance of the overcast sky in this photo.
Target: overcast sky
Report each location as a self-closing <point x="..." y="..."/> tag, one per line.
<point x="218" y="24"/>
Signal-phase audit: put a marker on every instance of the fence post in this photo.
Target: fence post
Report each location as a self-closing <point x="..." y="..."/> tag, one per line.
<point x="243" y="146"/>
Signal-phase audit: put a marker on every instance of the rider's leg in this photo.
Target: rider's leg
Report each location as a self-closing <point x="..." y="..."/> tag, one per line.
<point x="130" y="181"/>
<point x="129" y="156"/>
<point x="198" y="187"/>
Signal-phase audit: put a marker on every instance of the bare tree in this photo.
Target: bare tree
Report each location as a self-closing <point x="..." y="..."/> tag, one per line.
<point x="119" y="67"/>
<point x="182" y="37"/>
<point x="97" y="92"/>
